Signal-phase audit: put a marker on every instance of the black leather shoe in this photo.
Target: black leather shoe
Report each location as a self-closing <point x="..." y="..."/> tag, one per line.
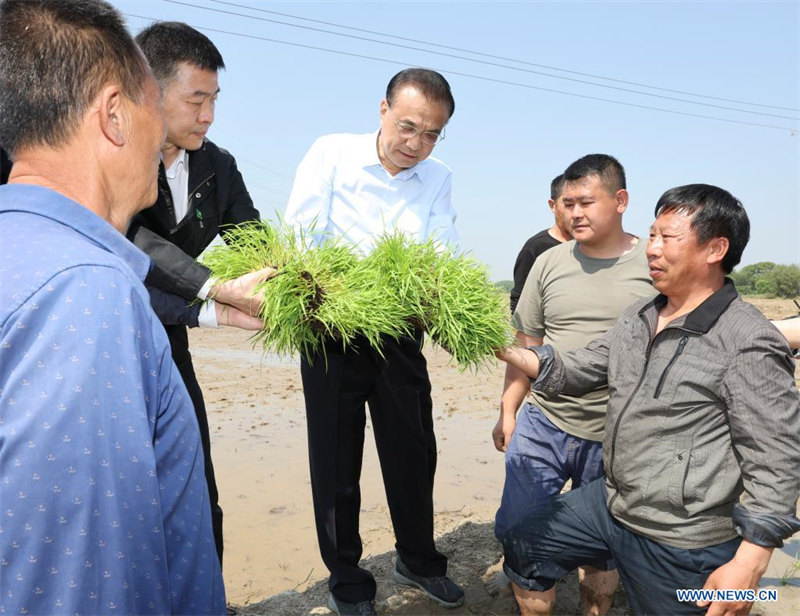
<point x="441" y="589"/>
<point x="343" y="608"/>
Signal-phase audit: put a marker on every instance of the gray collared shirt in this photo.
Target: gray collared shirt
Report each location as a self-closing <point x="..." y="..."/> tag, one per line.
<point x="703" y="418"/>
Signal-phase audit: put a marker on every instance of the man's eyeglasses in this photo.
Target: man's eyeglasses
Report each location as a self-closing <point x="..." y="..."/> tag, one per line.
<point x="409" y="131"/>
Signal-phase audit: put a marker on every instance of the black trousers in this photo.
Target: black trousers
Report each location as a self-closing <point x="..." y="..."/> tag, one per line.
<point x="179" y="340"/>
<point x="398" y="392"/>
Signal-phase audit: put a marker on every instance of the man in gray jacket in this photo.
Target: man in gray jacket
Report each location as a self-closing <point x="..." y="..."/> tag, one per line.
<point x="701" y="448"/>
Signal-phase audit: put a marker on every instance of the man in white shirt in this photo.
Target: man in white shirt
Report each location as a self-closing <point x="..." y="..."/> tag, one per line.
<point x="358" y="187"/>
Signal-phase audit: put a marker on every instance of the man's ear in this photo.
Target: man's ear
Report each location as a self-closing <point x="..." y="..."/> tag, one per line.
<point x="622" y="200"/>
<point x="113" y="114"/>
<point x="717" y="249"/>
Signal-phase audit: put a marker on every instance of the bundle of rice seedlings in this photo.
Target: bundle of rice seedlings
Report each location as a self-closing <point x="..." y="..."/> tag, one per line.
<point x="305" y="283"/>
<point x="320" y="294"/>
<point x="357" y="306"/>
<point x="467" y="314"/>
<point x="403" y="269"/>
<point x="449" y="296"/>
<point x="329" y="293"/>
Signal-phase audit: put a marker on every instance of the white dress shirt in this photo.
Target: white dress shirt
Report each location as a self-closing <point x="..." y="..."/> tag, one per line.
<point x="342" y="189"/>
<point x="178" y="179"/>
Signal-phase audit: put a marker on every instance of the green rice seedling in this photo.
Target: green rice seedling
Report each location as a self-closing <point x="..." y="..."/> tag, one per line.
<point x="790" y="575"/>
<point x="339" y="298"/>
<point x="467" y="315"/>
<point x="291" y="298"/>
<point x="448" y="296"/>
<point x="250" y="247"/>
<point x="299" y="312"/>
<point x="287" y="297"/>
<point x="403" y="268"/>
<point x="356" y="306"/>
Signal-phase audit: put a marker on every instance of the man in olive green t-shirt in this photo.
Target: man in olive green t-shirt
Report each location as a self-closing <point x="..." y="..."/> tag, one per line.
<point x="574" y="293"/>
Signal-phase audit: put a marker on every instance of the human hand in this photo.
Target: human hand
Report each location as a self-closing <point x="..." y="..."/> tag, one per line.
<point x="742" y="572"/>
<point x="502" y="354"/>
<point x="503" y="430"/>
<point x="241" y="292"/>
<point x="524" y="359"/>
<point x="233" y="317"/>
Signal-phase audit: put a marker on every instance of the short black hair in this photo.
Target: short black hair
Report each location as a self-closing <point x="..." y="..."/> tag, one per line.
<point x="167" y="43"/>
<point x="430" y="83"/>
<point x="607" y="168"/>
<point x="55" y="57"/>
<point x="557" y="187"/>
<point x="715" y="213"/>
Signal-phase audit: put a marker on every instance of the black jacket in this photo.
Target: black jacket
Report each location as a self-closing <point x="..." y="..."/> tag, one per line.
<point x="5" y="166"/>
<point x="217" y="197"/>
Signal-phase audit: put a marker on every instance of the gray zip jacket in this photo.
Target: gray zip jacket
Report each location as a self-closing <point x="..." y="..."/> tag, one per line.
<point x="702" y="436"/>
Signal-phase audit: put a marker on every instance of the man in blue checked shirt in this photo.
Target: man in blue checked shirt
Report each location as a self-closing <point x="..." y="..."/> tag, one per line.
<point x="104" y="503"/>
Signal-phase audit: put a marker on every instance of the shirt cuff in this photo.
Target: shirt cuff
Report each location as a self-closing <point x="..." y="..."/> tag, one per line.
<point x="551" y="371"/>
<point x="208" y="315"/>
<point x="765" y="529"/>
<point x="205" y="289"/>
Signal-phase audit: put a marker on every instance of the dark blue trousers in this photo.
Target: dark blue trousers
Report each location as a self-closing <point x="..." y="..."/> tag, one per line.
<point x="576" y="529"/>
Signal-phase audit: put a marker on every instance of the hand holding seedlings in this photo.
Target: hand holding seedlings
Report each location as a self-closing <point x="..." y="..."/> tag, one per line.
<point x="233" y="317"/>
<point x="244" y="293"/>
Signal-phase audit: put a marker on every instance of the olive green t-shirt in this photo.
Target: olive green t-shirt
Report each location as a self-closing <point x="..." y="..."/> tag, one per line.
<point x="570" y="299"/>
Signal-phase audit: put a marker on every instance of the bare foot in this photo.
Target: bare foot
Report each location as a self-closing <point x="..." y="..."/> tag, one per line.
<point x="496" y="582"/>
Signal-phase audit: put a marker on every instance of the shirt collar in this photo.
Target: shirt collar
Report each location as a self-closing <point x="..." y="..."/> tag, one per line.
<point x="701" y="319"/>
<point x="178" y="165"/>
<point x="367" y="156"/>
<point x="48" y="203"/>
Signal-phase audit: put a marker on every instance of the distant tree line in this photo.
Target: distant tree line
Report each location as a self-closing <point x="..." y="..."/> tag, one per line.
<point x="767" y="278"/>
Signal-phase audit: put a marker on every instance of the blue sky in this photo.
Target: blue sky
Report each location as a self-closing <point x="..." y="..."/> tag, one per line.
<point x="505" y="141"/>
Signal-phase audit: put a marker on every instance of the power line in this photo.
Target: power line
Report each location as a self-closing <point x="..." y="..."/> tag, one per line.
<point x="487" y="55"/>
<point x="265" y="168"/>
<point x="480" y="77"/>
<point x="495" y="64"/>
<point x="270" y="189"/>
<point x="484" y="62"/>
